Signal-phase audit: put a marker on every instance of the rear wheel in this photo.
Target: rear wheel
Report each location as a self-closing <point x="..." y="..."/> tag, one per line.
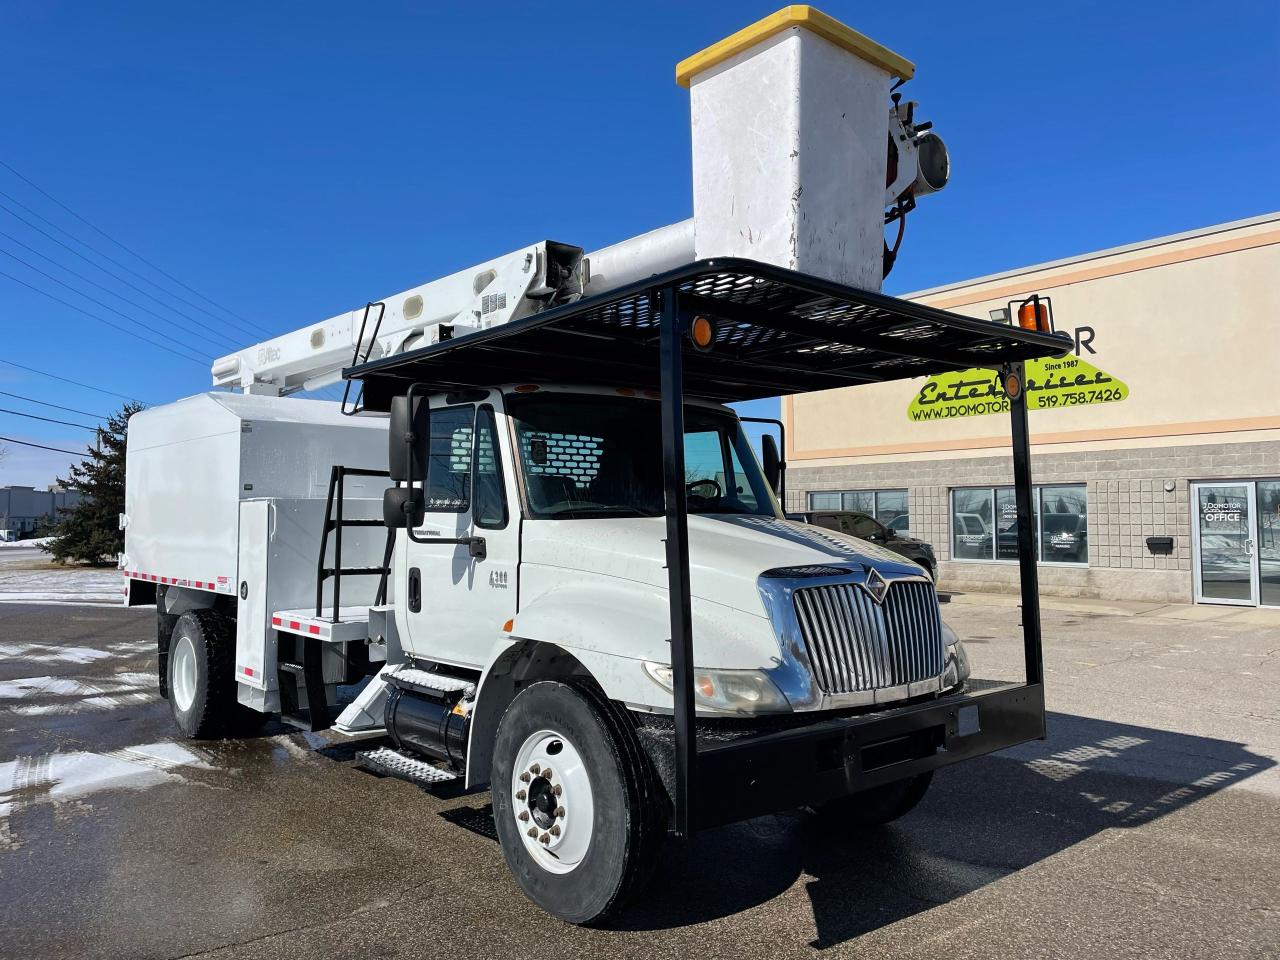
<point x="201" y="680"/>
<point x="576" y="803"/>
<point x="879" y="805"/>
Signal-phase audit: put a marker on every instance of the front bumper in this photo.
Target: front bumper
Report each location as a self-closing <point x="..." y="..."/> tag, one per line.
<point x="747" y="776"/>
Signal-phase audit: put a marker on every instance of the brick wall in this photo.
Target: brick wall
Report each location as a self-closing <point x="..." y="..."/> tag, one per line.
<point x="1127" y="501"/>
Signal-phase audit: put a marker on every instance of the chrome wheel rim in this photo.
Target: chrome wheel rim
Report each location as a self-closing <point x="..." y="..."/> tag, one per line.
<point x="183" y="684"/>
<point x="552" y="802"/>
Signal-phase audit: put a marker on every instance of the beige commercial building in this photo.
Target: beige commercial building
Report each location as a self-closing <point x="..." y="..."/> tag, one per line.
<point x="1155" y="442"/>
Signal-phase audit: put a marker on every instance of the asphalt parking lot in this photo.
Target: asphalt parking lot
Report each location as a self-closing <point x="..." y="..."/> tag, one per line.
<point x="1147" y="825"/>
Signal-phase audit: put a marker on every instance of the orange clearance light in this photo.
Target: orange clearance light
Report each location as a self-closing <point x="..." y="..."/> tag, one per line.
<point x="1034" y="315"/>
<point x="702" y="332"/>
<point x="527" y="388"/>
<point x="506" y="627"/>
<point x="1012" y="386"/>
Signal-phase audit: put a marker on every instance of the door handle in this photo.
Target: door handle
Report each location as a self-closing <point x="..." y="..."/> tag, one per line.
<point x="415" y="590"/>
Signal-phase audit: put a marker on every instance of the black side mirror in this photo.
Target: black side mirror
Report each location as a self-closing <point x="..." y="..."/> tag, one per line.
<point x="406" y="437"/>
<point x="402" y="507"/>
<point x="772" y="462"/>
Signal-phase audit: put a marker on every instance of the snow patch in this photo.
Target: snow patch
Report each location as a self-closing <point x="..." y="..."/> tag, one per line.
<point x="62" y="585"/>
<point x="49" y="652"/>
<point x="73" y="695"/>
<point x="57" y="777"/>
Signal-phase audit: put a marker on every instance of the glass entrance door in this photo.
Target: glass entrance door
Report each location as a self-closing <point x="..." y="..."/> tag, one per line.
<point x="1225" y="554"/>
<point x="1268" y="530"/>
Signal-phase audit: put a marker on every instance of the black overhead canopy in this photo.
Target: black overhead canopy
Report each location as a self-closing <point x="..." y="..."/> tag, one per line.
<point x="777" y="332"/>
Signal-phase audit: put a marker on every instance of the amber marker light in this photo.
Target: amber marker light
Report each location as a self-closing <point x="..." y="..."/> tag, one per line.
<point x="702" y="332"/>
<point x="1012" y="386"/>
<point x="1034" y="315"/>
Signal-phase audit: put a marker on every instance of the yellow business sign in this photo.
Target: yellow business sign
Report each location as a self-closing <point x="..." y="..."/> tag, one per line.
<point x="1050" y="384"/>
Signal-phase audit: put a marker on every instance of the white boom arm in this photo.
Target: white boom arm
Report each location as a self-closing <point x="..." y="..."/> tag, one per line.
<point x="517" y="285"/>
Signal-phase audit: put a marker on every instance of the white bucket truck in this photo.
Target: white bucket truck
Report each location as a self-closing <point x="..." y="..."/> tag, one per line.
<point x="542" y="533"/>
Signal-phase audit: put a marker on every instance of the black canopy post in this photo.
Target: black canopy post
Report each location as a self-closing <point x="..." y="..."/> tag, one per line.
<point x="671" y="382"/>
<point x="1023" y="493"/>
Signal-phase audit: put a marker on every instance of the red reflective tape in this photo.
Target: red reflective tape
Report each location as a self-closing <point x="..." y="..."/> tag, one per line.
<point x="154" y="578"/>
<point x="248" y="671"/>
<point x="275" y="621"/>
<point x="294" y="625"/>
<point x="313" y="629"/>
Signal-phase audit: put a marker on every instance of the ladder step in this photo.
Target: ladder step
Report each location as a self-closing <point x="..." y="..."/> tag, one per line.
<point x="393" y="763"/>
<point x="287" y="667"/>
<point x="411" y="678"/>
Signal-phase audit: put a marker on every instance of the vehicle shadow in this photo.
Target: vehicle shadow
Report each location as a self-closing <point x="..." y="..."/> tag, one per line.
<point x="980" y="821"/>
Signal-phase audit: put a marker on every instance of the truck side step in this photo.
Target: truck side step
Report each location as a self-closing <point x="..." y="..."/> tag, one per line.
<point x="402" y="766"/>
<point x="432" y="684"/>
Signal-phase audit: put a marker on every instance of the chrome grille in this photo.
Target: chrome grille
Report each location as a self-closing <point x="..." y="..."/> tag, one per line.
<point x="857" y="644"/>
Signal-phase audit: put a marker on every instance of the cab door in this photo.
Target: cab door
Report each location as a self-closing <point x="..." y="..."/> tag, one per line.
<point x="460" y="595"/>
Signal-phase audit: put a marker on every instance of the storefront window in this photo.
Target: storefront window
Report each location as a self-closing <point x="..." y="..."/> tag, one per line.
<point x="984" y="524"/>
<point x="887" y="506"/>
<point x="971" y="524"/>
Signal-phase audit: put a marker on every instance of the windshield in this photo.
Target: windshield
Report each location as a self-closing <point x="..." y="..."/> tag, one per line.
<point x="590" y="455"/>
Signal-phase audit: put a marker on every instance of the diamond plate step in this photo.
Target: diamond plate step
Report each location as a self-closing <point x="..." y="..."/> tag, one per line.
<point x="415" y="679"/>
<point x="392" y="763"/>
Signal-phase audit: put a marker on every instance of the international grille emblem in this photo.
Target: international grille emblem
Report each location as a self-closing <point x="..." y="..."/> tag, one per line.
<point x="875" y="585"/>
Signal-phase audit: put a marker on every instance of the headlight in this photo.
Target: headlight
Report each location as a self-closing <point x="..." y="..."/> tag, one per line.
<point x="726" y="691"/>
<point x="956" y="670"/>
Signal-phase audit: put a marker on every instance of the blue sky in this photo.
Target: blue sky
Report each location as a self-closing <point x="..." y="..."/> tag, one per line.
<point x="292" y="160"/>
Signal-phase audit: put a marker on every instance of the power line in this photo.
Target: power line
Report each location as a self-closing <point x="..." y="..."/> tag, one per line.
<point x="109" y="323"/>
<point x="94" y="300"/>
<point x="74" y="383"/>
<point x="44" y="403"/>
<point x="32" y="416"/>
<point x="203" y="327"/>
<point x="97" y="266"/>
<point x="134" y="253"/>
<point x="41" y="446"/>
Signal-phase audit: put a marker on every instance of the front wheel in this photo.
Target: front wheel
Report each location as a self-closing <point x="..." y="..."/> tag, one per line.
<point x="879" y="805"/>
<point x="577" y="806"/>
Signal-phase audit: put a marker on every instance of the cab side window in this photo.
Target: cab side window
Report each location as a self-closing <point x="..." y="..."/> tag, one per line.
<point x="448" y="485"/>
<point x="489" y="496"/>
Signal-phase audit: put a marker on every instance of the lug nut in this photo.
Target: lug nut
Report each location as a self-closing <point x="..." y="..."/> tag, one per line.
<point x="559" y="812"/>
<point x="520" y="794"/>
<point x="547" y="773"/>
<point x="534" y="769"/>
<point x="533" y="831"/>
<point x="524" y="816"/>
<point x="555" y="830"/>
<point x="525" y="778"/>
<point x="545" y="838"/>
<point x="557" y="790"/>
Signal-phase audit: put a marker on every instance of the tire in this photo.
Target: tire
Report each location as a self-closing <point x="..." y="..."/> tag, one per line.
<point x="580" y="876"/>
<point x="201" y="680"/>
<point x="874" y="807"/>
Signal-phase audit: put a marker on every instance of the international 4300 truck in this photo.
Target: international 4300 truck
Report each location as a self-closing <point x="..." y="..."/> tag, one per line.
<point x="533" y="548"/>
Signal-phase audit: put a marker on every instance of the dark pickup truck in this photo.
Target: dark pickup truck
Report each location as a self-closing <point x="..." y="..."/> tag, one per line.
<point x="866" y="527"/>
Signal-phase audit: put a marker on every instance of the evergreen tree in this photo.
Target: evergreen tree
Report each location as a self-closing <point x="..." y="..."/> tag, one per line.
<point x="90" y="531"/>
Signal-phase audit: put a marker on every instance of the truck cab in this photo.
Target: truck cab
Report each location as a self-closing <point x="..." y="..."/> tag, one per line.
<point x="539" y="520"/>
